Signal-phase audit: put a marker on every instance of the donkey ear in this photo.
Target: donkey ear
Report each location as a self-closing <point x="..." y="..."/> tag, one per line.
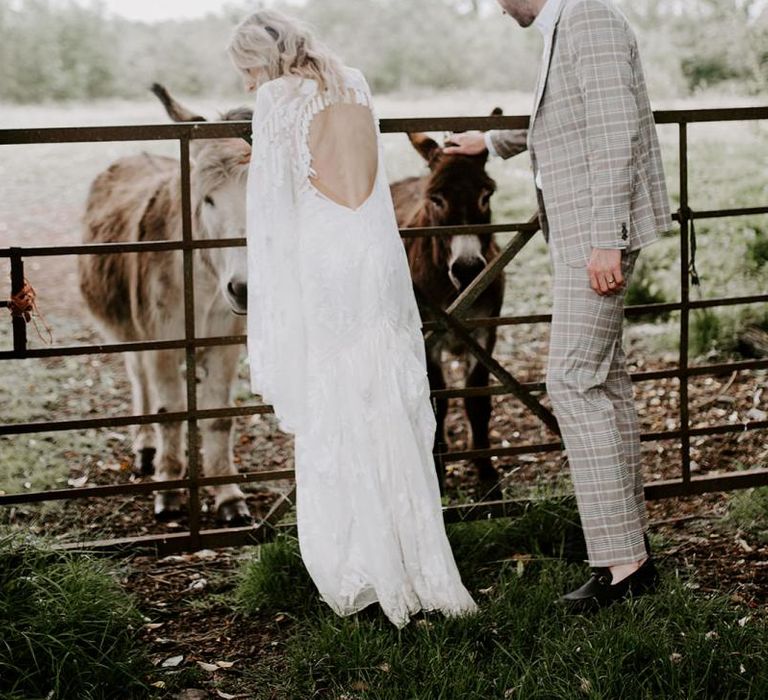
<point x="175" y="111"/>
<point x="426" y="146"/>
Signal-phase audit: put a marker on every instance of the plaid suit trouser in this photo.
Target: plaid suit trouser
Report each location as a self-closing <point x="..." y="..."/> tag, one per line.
<point x="592" y="397"/>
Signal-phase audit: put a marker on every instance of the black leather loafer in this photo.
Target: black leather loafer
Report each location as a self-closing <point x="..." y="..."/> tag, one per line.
<point x="599" y="592"/>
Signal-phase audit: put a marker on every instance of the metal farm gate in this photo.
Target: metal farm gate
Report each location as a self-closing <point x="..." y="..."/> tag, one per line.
<point x="455" y="319"/>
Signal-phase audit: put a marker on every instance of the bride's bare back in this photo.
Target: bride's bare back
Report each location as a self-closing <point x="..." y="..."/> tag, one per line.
<point x="343" y="144"/>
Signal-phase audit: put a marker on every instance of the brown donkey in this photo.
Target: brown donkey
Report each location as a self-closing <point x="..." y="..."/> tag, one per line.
<point x="138" y="297"/>
<point x="456" y="191"/>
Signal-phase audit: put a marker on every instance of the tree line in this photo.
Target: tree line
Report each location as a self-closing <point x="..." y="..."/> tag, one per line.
<point x="54" y="50"/>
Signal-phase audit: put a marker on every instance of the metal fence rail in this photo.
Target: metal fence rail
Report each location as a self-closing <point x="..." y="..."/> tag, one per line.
<point x="453" y="320"/>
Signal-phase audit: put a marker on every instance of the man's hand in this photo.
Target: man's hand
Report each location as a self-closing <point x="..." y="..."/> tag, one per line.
<point x="604" y="270"/>
<point x="468" y="143"/>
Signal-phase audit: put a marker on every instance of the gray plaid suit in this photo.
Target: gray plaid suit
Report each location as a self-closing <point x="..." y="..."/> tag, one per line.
<point x="593" y="140"/>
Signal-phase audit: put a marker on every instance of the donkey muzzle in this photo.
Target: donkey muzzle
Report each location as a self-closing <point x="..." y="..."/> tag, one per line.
<point x="464" y="270"/>
<point x="237" y="293"/>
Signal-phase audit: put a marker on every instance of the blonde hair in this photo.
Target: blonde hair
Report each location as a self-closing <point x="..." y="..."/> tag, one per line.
<point x="277" y="45"/>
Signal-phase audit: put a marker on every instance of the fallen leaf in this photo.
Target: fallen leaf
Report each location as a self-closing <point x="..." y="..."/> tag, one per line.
<point x="111" y="467"/>
<point x="173" y="661"/>
<point x="206" y="554"/>
<point x="225" y="664"/>
<point x="757" y="414"/>
<point x="675" y="658"/>
<point x="207" y="667"/>
<point x="77" y="483"/>
<point x="360" y="686"/>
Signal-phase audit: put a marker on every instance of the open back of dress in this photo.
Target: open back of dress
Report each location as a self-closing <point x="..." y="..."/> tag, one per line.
<point x="344" y="153"/>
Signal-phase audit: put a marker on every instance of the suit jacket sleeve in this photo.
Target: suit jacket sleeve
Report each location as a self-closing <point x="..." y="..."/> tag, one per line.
<point x="601" y="49"/>
<point x="509" y="142"/>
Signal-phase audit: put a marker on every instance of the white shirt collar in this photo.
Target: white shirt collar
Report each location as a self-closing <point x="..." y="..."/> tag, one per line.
<point x="547" y="17"/>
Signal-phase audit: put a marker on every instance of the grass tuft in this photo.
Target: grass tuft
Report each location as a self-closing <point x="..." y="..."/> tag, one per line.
<point x="748" y="511"/>
<point x="276" y="580"/>
<point x="68" y="629"/>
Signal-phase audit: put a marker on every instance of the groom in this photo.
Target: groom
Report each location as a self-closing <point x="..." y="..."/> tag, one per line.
<point x="602" y="196"/>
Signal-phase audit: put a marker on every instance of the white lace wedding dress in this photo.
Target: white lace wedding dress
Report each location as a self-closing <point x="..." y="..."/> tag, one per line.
<point x="334" y="343"/>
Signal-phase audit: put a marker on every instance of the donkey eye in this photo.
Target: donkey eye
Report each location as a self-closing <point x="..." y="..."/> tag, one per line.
<point x="209" y="201"/>
<point x="485" y="199"/>
<point x="438" y="200"/>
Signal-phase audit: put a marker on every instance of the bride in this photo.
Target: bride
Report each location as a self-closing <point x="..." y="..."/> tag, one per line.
<point x="334" y="333"/>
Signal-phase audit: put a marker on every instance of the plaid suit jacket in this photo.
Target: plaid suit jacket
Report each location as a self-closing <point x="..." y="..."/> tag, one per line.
<point x="593" y="138"/>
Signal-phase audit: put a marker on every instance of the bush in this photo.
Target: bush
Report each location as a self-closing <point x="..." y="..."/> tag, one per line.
<point x="757" y="250"/>
<point x="705" y="332"/>
<point x="643" y="289"/>
<point x="68" y="629"/>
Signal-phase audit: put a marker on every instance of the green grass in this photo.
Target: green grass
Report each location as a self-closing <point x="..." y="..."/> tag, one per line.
<point x="674" y="644"/>
<point x="748" y="511"/>
<point x="68" y="629"/>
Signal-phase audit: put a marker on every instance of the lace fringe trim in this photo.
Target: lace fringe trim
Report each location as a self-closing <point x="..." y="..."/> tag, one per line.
<point x="282" y="127"/>
<point x="316" y="104"/>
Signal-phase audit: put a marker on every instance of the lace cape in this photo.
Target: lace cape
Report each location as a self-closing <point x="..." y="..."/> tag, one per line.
<point x="281" y="165"/>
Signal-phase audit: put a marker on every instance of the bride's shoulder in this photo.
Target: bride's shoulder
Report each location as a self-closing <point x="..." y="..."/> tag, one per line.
<point x="354" y="76"/>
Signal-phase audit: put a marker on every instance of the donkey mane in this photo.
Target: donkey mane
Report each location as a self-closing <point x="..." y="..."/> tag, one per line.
<point x="238" y="114"/>
<point x="220" y="163"/>
<point x="221" y="160"/>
